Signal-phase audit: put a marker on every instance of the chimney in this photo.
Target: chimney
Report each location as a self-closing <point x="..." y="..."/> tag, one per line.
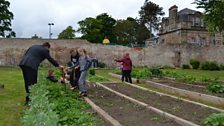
<point x="173" y="14"/>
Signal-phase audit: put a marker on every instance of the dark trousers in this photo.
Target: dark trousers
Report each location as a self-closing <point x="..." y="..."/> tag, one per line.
<point x="127" y="75"/>
<point x="122" y="75"/>
<point x="30" y="78"/>
<point x="74" y="80"/>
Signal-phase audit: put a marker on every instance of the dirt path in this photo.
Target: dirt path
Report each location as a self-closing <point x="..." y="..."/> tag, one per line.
<point x="127" y="113"/>
<point x="185" y="110"/>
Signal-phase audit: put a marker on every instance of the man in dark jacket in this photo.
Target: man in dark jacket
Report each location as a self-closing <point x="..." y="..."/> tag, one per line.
<point x="31" y="61"/>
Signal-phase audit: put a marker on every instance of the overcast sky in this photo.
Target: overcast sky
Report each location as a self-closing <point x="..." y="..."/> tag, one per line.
<point x="32" y="16"/>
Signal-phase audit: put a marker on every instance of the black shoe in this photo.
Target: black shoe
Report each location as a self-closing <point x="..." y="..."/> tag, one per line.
<point x="83" y="94"/>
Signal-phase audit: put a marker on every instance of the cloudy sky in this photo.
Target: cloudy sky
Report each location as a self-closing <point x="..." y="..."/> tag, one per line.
<point x="32" y="16"/>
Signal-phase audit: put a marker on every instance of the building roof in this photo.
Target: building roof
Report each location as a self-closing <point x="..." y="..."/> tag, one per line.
<point x="187" y="11"/>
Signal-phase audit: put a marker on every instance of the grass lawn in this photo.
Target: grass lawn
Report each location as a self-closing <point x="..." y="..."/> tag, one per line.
<point x="11" y="97"/>
<point x="199" y="73"/>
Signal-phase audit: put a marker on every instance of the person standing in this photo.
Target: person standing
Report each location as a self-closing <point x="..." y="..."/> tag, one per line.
<point x="84" y="63"/>
<point x="75" y="72"/>
<point x="30" y="63"/>
<point x="127" y="67"/>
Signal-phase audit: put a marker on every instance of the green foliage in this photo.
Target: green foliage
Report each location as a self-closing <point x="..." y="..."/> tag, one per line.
<point x="131" y="31"/>
<point x="205" y="65"/>
<point x="167" y="67"/>
<point x="108" y="24"/>
<point x="186" y="66"/>
<point x="214" y="66"/>
<point x="214" y="120"/>
<point x="195" y="63"/>
<point x="68" y="33"/>
<point x="96" y="29"/>
<point x="149" y="14"/>
<point x="101" y="65"/>
<point x="41" y="113"/>
<point x="215" y="87"/>
<point x="97" y="79"/>
<point x="141" y="73"/>
<point x="53" y="104"/>
<point x="156" y="72"/>
<point x="209" y="66"/>
<point x="180" y="77"/>
<point x="221" y="66"/>
<point x="5" y="20"/>
<point x="92" y="72"/>
<point x="213" y="13"/>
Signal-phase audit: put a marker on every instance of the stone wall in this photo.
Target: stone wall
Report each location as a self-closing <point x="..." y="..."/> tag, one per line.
<point x="11" y="51"/>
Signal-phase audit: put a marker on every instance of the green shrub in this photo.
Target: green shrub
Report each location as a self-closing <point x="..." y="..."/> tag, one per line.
<point x="101" y="65"/>
<point x="214" y="120"/>
<point x="156" y="72"/>
<point x="221" y="66"/>
<point x="185" y="66"/>
<point x="92" y="72"/>
<point x="205" y="65"/>
<point x="195" y="63"/>
<point x="210" y="66"/>
<point x="214" y="66"/>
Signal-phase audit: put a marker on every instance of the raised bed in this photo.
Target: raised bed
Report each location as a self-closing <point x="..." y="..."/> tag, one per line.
<point x="126" y="112"/>
<point x="188" y="111"/>
<point x="199" y="97"/>
<point x="185" y="86"/>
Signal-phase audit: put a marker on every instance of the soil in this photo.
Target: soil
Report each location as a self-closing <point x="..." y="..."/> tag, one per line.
<point x="190" y="87"/>
<point x="185" y="110"/>
<point x="126" y="112"/>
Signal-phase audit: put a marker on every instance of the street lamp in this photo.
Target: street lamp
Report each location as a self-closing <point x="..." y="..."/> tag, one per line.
<point x="50" y="29"/>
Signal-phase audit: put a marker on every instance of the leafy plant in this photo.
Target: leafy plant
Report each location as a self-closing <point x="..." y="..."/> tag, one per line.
<point x="215" y="87"/>
<point x="214" y="120"/>
<point x="141" y="73"/>
<point x="53" y="105"/>
<point x="156" y="72"/>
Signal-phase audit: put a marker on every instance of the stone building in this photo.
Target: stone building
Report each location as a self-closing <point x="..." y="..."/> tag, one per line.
<point x="186" y="26"/>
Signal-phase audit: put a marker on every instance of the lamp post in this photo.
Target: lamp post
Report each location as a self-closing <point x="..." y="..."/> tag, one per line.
<point x="50" y="29"/>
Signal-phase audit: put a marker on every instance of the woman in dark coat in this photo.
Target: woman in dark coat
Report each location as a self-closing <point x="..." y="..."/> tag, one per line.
<point x="74" y="59"/>
<point x="126" y="67"/>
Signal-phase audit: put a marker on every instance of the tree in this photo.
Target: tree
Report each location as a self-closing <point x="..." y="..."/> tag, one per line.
<point x="213" y="13"/>
<point x="108" y="24"/>
<point x="36" y="37"/>
<point x="131" y="31"/>
<point x="149" y="15"/>
<point x="68" y="33"/>
<point x="96" y="29"/>
<point x="5" y="20"/>
<point x="91" y="30"/>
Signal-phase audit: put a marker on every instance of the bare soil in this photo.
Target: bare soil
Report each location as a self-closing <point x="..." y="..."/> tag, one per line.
<point x="190" y="87"/>
<point x="185" y="110"/>
<point x="126" y="112"/>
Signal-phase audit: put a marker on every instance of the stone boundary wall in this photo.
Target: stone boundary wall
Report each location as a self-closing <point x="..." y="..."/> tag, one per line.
<point x="11" y="51"/>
